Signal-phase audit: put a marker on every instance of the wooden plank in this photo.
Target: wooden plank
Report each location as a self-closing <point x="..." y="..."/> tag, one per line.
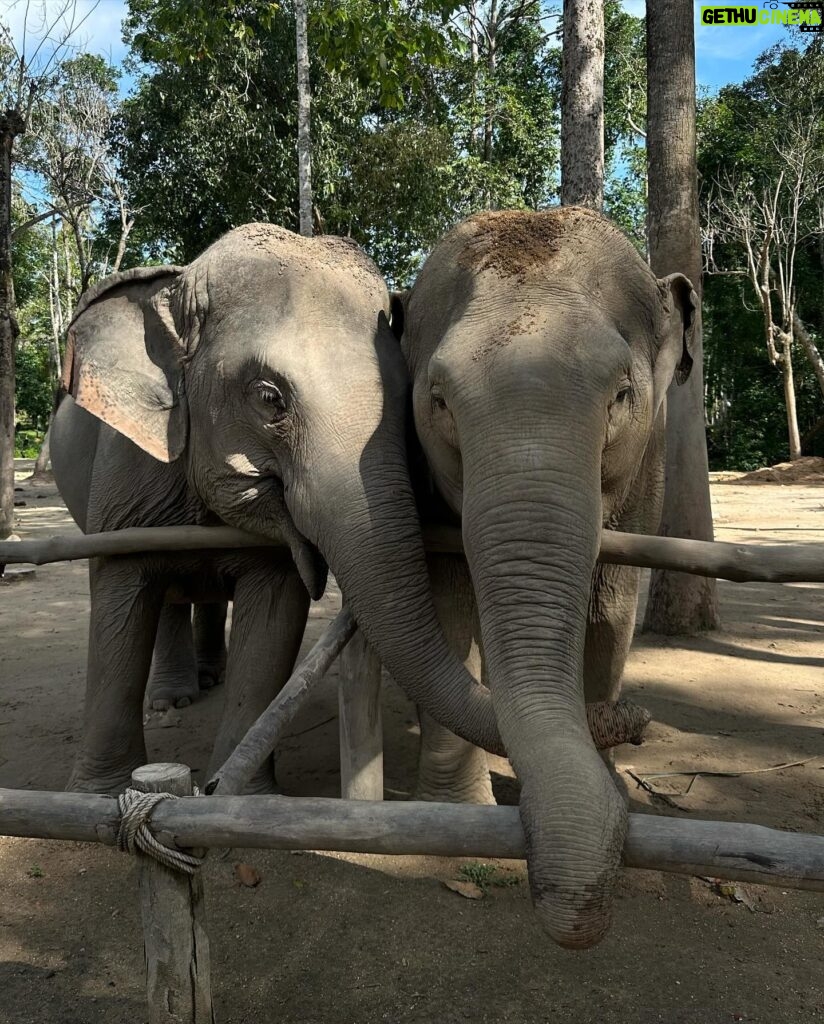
<point x="360" y="721"/>
<point x="741" y="563"/>
<point x="176" y="943"/>
<point x="260" y="740"/>
<point x="720" y="849"/>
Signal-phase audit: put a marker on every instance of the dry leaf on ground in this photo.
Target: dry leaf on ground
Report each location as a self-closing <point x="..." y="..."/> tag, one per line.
<point x="247" y="875"/>
<point x="468" y="890"/>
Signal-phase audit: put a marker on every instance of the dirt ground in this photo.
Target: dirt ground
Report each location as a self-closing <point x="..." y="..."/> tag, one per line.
<point x="346" y="938"/>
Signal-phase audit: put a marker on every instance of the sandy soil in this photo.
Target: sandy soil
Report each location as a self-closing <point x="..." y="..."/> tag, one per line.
<point x="344" y="938"/>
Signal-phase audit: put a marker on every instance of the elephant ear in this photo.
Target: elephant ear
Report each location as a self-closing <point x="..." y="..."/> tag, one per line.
<point x="124" y="360"/>
<point x="674" y="358"/>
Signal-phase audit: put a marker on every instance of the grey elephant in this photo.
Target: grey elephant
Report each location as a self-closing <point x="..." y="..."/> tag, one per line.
<point x="190" y="647"/>
<point x="261" y="387"/>
<point x="541" y="347"/>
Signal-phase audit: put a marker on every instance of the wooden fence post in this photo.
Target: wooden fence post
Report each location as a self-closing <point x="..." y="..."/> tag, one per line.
<point x="361" y="726"/>
<point x="175" y="939"/>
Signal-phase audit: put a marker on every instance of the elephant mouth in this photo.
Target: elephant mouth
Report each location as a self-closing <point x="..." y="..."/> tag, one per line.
<point x="311" y="566"/>
<point x="263" y="509"/>
<point x="309" y="562"/>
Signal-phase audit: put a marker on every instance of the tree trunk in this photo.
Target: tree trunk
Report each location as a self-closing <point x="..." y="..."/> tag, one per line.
<point x="811" y="349"/>
<point x="11" y="125"/>
<point x="40" y="473"/>
<point x="678" y="603"/>
<point x="304" y="129"/>
<point x="491" y="65"/>
<point x="474" y="53"/>
<point x="788" y="378"/>
<point x="582" y="104"/>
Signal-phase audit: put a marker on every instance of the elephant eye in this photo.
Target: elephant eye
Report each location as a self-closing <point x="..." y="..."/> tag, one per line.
<point x="438" y="400"/>
<point x="624" y="393"/>
<point x="271" y="395"/>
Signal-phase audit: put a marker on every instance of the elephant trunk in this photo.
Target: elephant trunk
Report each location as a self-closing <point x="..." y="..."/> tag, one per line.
<point x="366" y="526"/>
<point x="531" y="543"/>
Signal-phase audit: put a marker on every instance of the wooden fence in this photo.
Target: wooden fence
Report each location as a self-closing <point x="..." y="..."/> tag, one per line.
<point x="175" y="937"/>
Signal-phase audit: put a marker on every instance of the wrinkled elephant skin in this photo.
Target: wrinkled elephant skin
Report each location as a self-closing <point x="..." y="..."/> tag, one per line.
<point x="541" y="347"/>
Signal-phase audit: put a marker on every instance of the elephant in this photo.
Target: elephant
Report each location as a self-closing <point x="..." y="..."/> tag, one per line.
<point x="189" y="653"/>
<point x="540" y="347"/>
<point x="261" y="387"/>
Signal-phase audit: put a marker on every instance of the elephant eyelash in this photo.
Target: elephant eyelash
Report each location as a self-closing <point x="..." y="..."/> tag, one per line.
<point x="625" y="396"/>
<point x="271" y="395"/>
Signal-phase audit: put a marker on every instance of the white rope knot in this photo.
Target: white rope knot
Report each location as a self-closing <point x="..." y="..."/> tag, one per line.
<point x="134" y="832"/>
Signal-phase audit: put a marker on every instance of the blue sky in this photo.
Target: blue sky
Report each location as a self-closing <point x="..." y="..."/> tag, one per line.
<point x="724" y="54"/>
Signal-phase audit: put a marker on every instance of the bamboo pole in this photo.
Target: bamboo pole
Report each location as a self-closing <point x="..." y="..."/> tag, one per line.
<point x="741" y="563"/>
<point x="721" y="849"/>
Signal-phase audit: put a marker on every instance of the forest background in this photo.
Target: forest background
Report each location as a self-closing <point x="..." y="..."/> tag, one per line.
<point x="160" y="125"/>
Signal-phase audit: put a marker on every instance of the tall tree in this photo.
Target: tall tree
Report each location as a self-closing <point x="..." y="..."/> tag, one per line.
<point x="13" y="121"/>
<point x="304" y="120"/>
<point x="762" y="168"/>
<point x="27" y="74"/>
<point x="678" y="602"/>
<point x="582" y="104"/>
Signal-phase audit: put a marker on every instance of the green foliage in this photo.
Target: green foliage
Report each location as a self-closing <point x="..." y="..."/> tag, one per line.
<point x="486" y="875"/>
<point x="745" y="134"/>
<point x="386" y="45"/>
<point x="409" y="134"/>
<point x="35" y="385"/>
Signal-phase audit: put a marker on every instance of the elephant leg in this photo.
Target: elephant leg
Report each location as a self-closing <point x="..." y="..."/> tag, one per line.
<point x="610" y="627"/>
<point x="125" y="609"/>
<point x="210" y="643"/>
<point x="173" y="679"/>
<point x="450" y="769"/>
<point x="269" y="613"/>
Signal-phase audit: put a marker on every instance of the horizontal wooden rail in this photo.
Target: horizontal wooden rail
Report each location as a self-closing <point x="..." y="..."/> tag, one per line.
<point x="720" y="849"/>
<point x="134" y="541"/>
<point x="742" y="563"/>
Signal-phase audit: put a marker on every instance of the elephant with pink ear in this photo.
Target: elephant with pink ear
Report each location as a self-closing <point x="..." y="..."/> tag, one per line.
<point x="259" y="386"/>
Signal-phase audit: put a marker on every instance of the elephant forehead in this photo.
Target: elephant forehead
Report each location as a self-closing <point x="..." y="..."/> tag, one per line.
<point x="563" y="329"/>
<point x="263" y="259"/>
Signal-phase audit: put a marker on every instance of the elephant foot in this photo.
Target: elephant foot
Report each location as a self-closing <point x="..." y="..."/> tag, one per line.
<point x="262" y="783"/>
<point x="164" y="692"/>
<point x="211" y="674"/>
<point x="107" y="781"/>
<point x="265" y="785"/>
<point x="474" y="787"/>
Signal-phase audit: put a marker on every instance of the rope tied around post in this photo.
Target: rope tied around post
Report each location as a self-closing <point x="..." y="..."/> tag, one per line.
<point x="133" y="832"/>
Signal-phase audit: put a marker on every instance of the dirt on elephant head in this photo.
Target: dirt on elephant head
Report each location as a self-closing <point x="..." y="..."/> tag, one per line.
<point x="318" y="253"/>
<point x="511" y="243"/>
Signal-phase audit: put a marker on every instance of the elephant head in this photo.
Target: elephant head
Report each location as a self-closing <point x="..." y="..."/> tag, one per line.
<point x="268" y="367"/>
<point x="541" y="347"/>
